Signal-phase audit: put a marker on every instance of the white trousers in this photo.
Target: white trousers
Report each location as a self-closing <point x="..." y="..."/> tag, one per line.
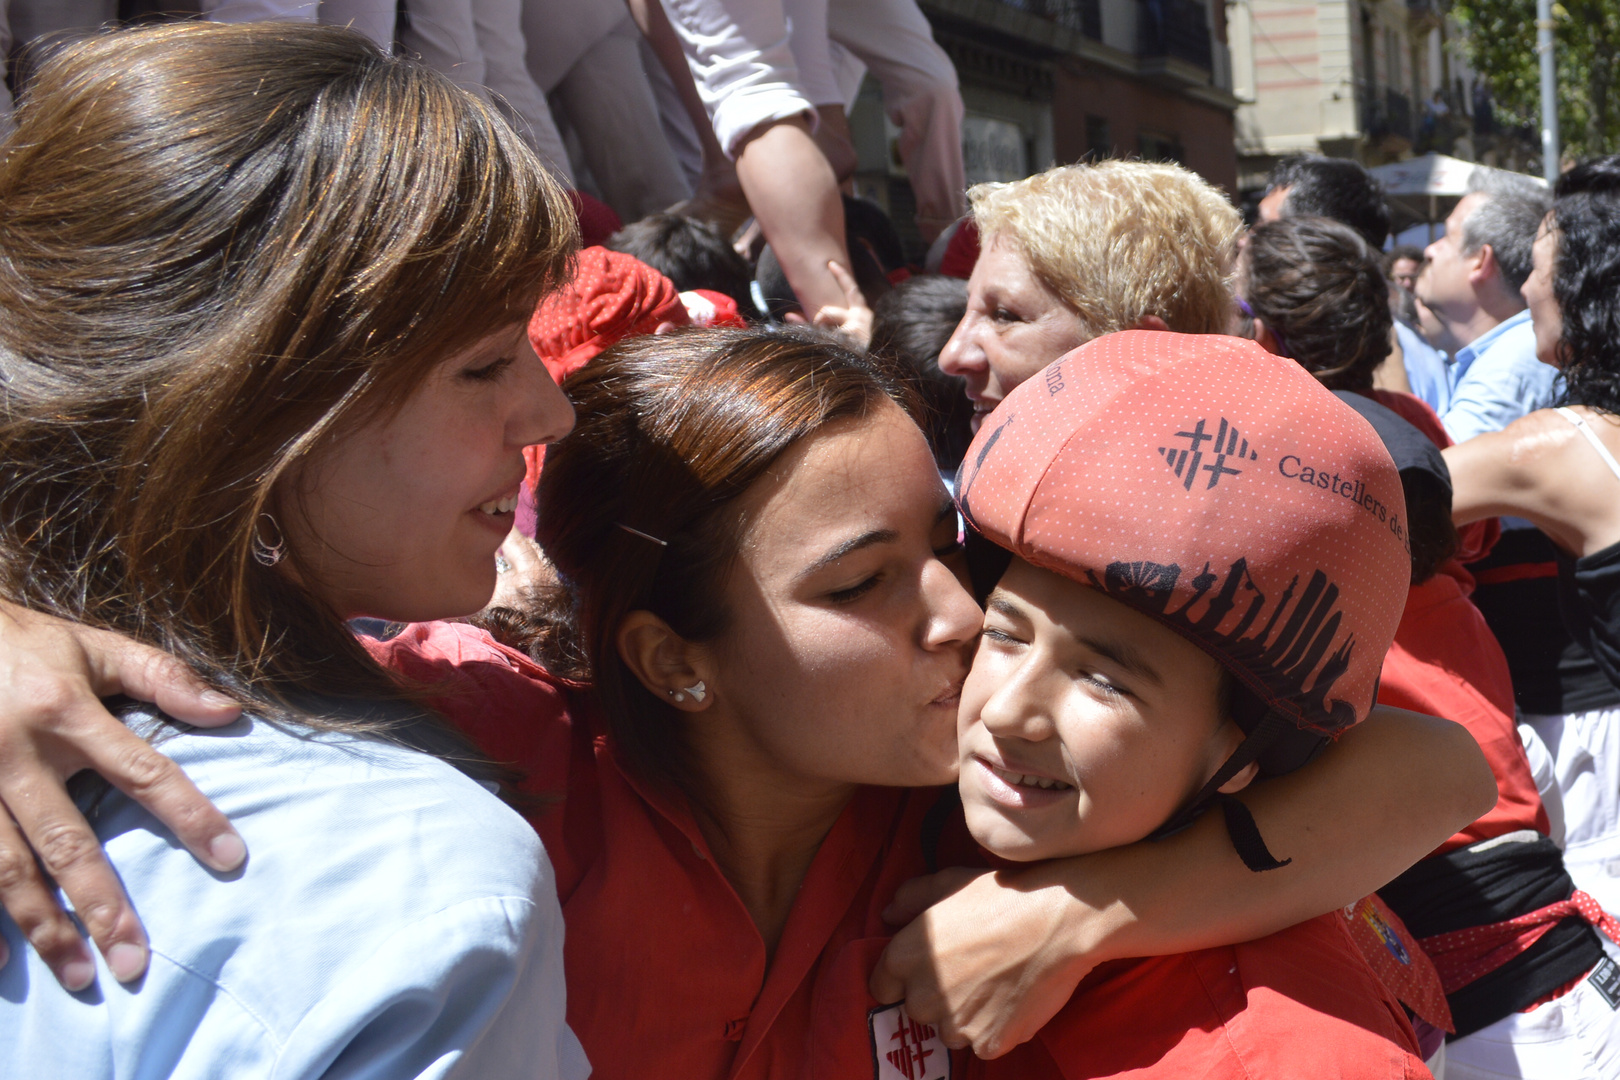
<point x="608" y="101"/>
<point x="1574" y="1037"/>
<point x="1584" y="751"/>
<point x="25" y="21"/>
<point x="480" y="44"/>
<point x="757" y="61"/>
<point x="373" y="18"/>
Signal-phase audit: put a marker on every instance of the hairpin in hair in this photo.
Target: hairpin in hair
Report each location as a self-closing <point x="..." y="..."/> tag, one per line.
<point x="644" y="536"/>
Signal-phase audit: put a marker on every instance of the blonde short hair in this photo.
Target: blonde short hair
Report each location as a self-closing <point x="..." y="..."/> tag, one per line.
<point x="1120" y="240"/>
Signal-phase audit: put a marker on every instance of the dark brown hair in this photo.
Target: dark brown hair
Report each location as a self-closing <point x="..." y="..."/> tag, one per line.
<point x="1319" y="288"/>
<point x="671" y="430"/>
<point x="220" y="246"/>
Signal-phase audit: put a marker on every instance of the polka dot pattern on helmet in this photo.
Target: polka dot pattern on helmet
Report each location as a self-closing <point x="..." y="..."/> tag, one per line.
<point x="1217" y="488"/>
<point x="610" y="297"/>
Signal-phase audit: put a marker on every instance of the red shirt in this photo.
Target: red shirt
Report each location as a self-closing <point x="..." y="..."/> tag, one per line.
<point x="1446" y="662"/>
<point x="667" y="973"/>
<point x="1298" y="1003"/>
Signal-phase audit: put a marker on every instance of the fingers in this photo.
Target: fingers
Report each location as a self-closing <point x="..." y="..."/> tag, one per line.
<point x="846" y="281"/>
<point x="121" y="666"/>
<point x="33" y="907"/>
<point x="922" y="893"/>
<point x="128" y="763"/>
<point x="828" y="318"/>
<point x="43" y="817"/>
<point x="885" y="984"/>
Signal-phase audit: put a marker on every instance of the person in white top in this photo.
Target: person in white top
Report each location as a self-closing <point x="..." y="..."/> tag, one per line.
<point x="1557" y="467"/>
<point x="285" y="383"/>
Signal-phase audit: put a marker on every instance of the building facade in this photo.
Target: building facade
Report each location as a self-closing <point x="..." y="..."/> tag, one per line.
<point x="1058" y="81"/>
<point x="1373" y="80"/>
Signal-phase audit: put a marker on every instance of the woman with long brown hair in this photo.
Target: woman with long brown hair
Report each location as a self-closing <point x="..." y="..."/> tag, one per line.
<point x="264" y="368"/>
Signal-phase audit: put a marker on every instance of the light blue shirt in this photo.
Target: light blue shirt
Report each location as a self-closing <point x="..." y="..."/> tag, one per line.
<point x="393" y="920"/>
<point x="1496" y="378"/>
<point x="1426" y="369"/>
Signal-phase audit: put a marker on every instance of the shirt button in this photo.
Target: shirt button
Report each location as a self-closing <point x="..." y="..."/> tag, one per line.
<point x="735" y="1029"/>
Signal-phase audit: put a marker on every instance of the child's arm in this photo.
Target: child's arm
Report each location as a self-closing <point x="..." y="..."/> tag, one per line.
<point x="995" y="959"/>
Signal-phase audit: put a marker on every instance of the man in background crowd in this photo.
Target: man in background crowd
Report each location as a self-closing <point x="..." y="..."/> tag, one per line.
<point x="1470" y="280"/>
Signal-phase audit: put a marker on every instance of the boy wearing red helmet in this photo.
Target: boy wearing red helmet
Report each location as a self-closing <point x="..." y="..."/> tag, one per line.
<point x="1208" y="565"/>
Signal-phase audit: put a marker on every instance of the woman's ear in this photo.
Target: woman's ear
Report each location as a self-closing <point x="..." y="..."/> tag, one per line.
<point x="1265" y="338"/>
<point x="1151" y="322"/>
<point x="670" y="667"/>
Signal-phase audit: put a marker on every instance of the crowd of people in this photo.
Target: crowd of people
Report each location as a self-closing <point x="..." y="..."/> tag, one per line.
<point x="450" y="629"/>
<point x="734" y="112"/>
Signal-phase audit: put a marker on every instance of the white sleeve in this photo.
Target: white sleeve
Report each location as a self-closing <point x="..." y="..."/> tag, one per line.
<point x="475" y="990"/>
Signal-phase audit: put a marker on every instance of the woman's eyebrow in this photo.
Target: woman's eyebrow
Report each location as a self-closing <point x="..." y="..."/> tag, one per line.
<point x="848" y="547"/>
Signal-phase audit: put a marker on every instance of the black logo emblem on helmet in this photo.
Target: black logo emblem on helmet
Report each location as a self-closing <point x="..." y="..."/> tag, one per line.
<point x="1298" y="649"/>
<point x="1225" y="445"/>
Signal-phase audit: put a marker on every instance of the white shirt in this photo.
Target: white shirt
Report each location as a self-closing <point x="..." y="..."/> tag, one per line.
<point x="393" y="919"/>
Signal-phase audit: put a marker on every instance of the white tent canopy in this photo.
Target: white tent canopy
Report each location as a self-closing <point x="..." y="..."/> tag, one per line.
<point x="1425" y="189"/>
<point x="1431" y="174"/>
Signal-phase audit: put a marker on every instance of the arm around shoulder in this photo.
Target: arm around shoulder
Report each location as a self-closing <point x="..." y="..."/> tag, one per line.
<point x="993" y="961"/>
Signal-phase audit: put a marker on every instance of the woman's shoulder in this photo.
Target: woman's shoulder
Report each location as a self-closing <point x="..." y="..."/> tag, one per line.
<point x="380" y="883"/>
<point x="378" y="807"/>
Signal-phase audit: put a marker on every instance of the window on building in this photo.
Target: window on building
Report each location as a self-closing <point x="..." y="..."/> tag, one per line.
<point x="1158" y="146"/>
<point x="1099" y="140"/>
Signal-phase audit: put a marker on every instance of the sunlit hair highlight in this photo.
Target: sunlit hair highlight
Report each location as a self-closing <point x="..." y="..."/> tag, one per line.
<point x="1121" y="240"/>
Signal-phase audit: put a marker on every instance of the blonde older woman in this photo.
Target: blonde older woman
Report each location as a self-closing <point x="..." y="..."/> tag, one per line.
<point x="1084" y="250"/>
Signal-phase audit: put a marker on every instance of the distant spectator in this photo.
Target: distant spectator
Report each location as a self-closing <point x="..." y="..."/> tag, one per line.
<point x="912" y="323"/>
<point x="1416" y="336"/>
<point x="1402" y="264"/>
<point x="1080" y="251"/>
<point x="691" y="253"/>
<point x="1336" y="188"/>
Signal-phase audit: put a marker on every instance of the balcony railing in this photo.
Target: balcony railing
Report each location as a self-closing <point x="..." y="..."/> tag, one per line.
<point x="1082" y="15"/>
<point x="1175" y="29"/>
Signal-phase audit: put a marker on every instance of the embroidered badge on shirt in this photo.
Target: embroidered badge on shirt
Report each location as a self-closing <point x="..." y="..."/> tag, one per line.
<point x="903" y="1049"/>
<point x="1606" y="977"/>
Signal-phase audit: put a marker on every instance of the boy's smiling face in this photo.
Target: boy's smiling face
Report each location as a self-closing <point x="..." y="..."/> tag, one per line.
<point x="1084" y="724"/>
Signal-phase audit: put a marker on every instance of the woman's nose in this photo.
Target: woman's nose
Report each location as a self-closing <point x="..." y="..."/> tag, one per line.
<point x="960" y="356"/>
<point x="954" y="618"/>
<point x="547" y="415"/>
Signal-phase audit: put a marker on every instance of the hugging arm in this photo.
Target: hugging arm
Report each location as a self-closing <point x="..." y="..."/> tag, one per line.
<point x="52" y="725"/>
<point x="997" y="954"/>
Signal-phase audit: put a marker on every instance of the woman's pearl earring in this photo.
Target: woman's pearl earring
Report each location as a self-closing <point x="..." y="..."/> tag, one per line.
<point x="698" y="692"/>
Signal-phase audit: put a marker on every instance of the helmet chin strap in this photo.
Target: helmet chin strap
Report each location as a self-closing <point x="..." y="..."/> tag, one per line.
<point x="1240" y="825"/>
